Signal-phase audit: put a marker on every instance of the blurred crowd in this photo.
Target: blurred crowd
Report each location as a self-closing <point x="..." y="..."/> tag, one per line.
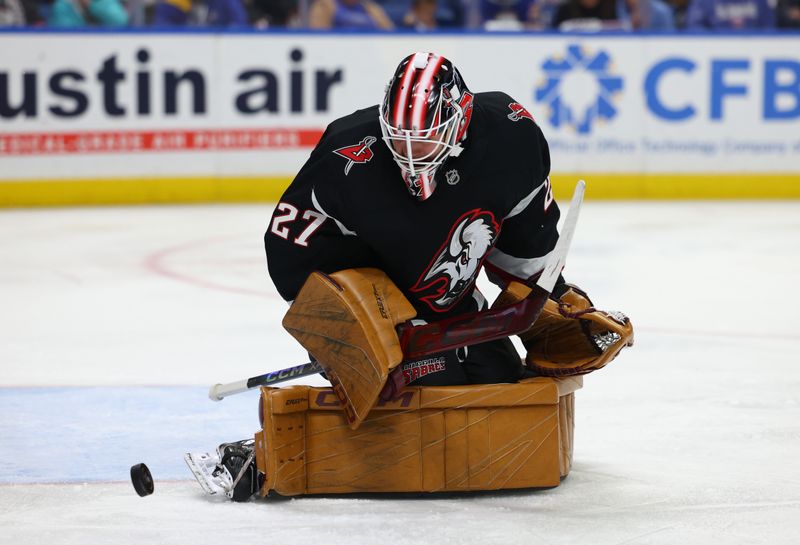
<point x="422" y="15"/>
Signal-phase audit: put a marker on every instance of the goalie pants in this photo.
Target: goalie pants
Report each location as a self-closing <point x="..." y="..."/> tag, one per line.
<point x="486" y="363"/>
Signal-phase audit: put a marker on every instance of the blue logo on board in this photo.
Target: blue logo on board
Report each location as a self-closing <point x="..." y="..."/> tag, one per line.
<point x="579" y="89"/>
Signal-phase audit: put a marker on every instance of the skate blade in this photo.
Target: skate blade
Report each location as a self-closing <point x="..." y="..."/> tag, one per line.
<point x="204" y="467"/>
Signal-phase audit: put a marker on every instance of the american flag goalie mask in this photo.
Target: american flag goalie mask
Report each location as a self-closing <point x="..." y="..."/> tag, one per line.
<point x="424" y="117"/>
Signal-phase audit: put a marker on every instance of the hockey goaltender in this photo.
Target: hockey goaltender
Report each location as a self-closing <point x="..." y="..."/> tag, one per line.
<point x="385" y="229"/>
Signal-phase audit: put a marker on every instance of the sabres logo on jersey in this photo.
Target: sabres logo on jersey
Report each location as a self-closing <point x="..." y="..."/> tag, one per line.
<point x="518" y="112"/>
<point x="359" y="153"/>
<point x="454" y="269"/>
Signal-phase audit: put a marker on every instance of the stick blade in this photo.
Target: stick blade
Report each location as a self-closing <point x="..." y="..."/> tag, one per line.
<point x="547" y="280"/>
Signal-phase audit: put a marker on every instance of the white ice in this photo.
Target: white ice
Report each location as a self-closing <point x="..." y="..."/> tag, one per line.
<point x="114" y="322"/>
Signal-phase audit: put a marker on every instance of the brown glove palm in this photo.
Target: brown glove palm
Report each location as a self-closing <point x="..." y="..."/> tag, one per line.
<point x="571" y="337"/>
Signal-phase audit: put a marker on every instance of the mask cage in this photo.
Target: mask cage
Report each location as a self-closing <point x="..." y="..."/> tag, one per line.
<point x="418" y="168"/>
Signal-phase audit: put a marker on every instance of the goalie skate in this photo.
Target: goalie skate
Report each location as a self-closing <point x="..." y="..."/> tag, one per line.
<point x="230" y="471"/>
<point x="214" y="479"/>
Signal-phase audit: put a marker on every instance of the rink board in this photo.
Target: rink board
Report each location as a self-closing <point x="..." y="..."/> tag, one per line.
<point x="264" y="189"/>
<point x="141" y="117"/>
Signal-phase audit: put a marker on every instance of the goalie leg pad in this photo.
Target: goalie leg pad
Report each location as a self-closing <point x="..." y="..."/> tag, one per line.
<point x="431" y="439"/>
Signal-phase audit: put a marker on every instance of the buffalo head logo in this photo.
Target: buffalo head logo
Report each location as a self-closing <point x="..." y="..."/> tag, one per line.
<point x="458" y="261"/>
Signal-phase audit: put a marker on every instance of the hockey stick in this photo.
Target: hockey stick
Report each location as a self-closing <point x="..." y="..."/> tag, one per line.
<point x="219" y="391"/>
<point x="467" y="329"/>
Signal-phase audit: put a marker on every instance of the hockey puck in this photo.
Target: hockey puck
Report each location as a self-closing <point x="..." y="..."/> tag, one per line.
<point x="142" y="480"/>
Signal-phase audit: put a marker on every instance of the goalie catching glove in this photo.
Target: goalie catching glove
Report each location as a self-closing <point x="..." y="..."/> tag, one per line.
<point x="570" y="337"/>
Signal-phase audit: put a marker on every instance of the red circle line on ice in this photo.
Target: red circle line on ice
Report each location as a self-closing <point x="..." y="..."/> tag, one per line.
<point x="158" y="263"/>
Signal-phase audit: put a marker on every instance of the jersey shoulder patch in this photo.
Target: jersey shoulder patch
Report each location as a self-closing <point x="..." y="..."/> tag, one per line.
<point x="357" y="154"/>
<point x="518" y="112"/>
<point x="502" y="108"/>
<point x="350" y="140"/>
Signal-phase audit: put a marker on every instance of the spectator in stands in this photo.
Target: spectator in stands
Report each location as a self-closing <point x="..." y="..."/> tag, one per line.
<point x="586" y="14"/>
<point x="789" y="13"/>
<point x="444" y="13"/>
<point x="226" y="13"/>
<point x="273" y="13"/>
<point x="518" y="14"/>
<point x="422" y="15"/>
<point x="78" y="13"/>
<point x="12" y="13"/>
<point x="35" y="11"/>
<point x="348" y="14"/>
<point x="172" y="12"/>
<point x="645" y="15"/>
<point x="730" y="15"/>
<point x="506" y="14"/>
<point x="679" y="9"/>
<point x="544" y="13"/>
<point x="214" y="13"/>
<point x="451" y="13"/>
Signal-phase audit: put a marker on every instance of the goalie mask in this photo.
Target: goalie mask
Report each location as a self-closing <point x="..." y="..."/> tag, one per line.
<point x="424" y="118"/>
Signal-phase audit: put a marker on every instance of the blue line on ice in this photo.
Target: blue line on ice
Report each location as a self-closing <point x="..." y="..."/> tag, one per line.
<point x="90" y="434"/>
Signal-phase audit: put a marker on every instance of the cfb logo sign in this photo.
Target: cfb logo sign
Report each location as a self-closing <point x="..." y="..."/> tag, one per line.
<point x="581" y="87"/>
<point x="780" y="85"/>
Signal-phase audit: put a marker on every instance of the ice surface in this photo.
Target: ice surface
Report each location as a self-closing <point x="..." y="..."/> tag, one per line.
<point x="114" y="322"/>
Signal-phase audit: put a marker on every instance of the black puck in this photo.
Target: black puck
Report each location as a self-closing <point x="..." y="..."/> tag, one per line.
<point x="142" y="480"/>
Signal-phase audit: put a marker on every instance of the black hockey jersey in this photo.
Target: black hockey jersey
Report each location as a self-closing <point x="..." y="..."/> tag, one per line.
<point x="349" y="207"/>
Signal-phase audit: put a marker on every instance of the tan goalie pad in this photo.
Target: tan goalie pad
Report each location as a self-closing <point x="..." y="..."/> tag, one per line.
<point x="570" y="337"/>
<point x="431" y="439"/>
<point x="347" y="321"/>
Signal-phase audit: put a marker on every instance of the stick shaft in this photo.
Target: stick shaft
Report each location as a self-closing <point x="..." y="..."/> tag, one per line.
<point x="472" y="328"/>
<point x="220" y="391"/>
